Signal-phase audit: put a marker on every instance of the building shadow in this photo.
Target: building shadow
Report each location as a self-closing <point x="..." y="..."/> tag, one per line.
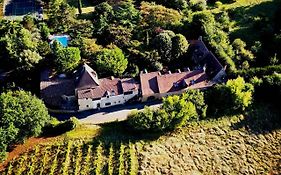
<point x="261" y="119"/>
<point x="127" y="106"/>
<point x="121" y="132"/>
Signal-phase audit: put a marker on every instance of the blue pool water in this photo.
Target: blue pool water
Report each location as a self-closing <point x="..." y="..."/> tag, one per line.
<point x="62" y="39"/>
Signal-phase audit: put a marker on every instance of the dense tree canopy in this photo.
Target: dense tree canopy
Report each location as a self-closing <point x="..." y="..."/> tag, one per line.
<point x="111" y="61"/>
<point x="159" y="16"/>
<point x="66" y="59"/>
<point x="21" y="115"/>
<point x="235" y="96"/>
<point x="175" y="112"/>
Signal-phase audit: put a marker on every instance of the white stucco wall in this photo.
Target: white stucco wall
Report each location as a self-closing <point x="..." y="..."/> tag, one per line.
<point x="86" y="104"/>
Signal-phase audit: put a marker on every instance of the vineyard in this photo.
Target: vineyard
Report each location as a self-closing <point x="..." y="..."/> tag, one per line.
<point x="76" y="157"/>
<point x="228" y="145"/>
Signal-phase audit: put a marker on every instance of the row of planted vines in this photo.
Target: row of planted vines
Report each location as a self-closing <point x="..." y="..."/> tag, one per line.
<point x="76" y="157"/>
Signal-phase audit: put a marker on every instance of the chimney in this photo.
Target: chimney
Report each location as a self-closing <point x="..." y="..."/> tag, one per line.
<point x="145" y="71"/>
<point x="112" y="77"/>
<point x="204" y="68"/>
<point x="200" y="38"/>
<point x="159" y="73"/>
<point x="169" y="72"/>
<point x="188" y="69"/>
<point x="178" y="70"/>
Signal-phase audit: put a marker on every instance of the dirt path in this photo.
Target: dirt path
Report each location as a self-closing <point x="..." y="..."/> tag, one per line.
<point x="21" y="148"/>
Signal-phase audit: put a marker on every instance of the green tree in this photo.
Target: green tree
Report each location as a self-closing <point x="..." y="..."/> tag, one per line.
<point x="126" y="14"/>
<point x="179" y="111"/>
<point x="7" y="135"/>
<point x="89" y="47"/>
<point x="180" y="46"/>
<point x="197" y="5"/>
<point x="159" y="16"/>
<point x="25" y="112"/>
<point x="121" y="36"/>
<point x="111" y="61"/>
<point x="66" y="59"/>
<point x="174" y="113"/>
<point x="241" y="54"/>
<point x="103" y="16"/>
<point x="29" y="59"/>
<point x="241" y="93"/>
<point x="44" y="30"/>
<point x="198" y="99"/>
<point x="15" y="48"/>
<point x="268" y="89"/>
<point x="61" y="16"/>
<point x="235" y="96"/>
<point x="28" y="22"/>
<point x="163" y="44"/>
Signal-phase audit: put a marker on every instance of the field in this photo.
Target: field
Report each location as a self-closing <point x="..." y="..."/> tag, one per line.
<point x="229" y="145"/>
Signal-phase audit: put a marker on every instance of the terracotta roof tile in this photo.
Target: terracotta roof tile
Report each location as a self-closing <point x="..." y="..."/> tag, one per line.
<point x="106" y="85"/>
<point x="129" y="84"/>
<point x="154" y="82"/>
<point x="53" y="90"/>
<point x="149" y="83"/>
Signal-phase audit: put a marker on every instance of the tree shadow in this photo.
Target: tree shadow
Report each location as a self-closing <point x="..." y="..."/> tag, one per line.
<point x="260" y="119"/>
<point x="120" y="132"/>
<point x="247" y="20"/>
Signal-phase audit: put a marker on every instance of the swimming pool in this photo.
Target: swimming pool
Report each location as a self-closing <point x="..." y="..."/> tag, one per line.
<point x="63" y="39"/>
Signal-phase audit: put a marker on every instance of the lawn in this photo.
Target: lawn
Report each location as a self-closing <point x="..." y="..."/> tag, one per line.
<point x="244" y="14"/>
<point x="229" y="145"/>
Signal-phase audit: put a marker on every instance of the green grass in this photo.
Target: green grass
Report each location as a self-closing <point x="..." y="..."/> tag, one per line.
<point x="244" y="13"/>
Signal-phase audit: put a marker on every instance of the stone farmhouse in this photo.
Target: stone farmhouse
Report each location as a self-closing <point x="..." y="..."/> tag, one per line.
<point x="85" y="91"/>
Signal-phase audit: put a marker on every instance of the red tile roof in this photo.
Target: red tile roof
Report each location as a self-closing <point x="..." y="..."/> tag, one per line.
<point x="174" y="82"/>
<point x="53" y="90"/>
<point x="129" y="84"/>
<point x="107" y="85"/>
<point x="149" y="83"/>
<point x="154" y="82"/>
<point x="87" y="78"/>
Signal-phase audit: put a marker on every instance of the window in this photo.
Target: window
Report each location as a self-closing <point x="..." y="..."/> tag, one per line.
<point x="107" y="104"/>
<point x="128" y="93"/>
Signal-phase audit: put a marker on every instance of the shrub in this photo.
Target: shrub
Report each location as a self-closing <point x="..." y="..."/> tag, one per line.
<point x="235" y="96"/>
<point x="268" y="88"/>
<point x="197" y="5"/>
<point x="56" y="127"/>
<point x="21" y="115"/>
<point x="174" y="113"/>
<point x="218" y="4"/>
<point x="197" y="98"/>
